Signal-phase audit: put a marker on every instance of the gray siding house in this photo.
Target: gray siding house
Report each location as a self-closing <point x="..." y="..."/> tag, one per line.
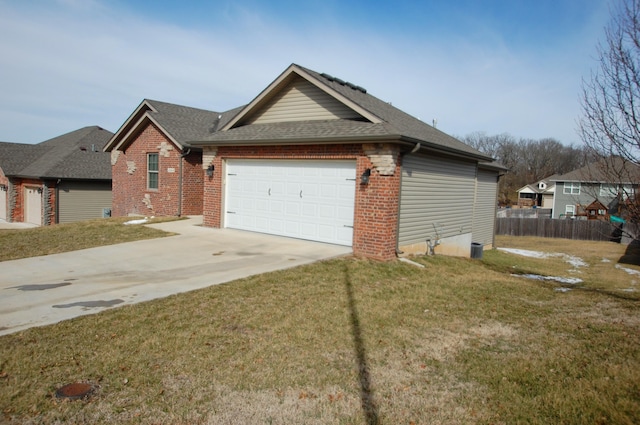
<point x="61" y="180"/>
<point x="606" y="181"/>
<point x="317" y="157"/>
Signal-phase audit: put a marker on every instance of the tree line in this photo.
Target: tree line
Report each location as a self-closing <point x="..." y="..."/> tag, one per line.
<point x="527" y="160"/>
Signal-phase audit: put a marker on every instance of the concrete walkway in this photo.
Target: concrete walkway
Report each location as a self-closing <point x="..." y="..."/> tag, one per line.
<point x="43" y="290"/>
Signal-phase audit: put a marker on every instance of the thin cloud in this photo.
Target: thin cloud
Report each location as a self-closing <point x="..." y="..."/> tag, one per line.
<point x="85" y="63"/>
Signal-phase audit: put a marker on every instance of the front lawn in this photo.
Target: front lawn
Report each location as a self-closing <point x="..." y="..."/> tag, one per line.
<point x="351" y="341"/>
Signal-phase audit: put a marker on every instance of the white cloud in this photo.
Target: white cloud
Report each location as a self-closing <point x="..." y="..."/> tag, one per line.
<point x="83" y="63"/>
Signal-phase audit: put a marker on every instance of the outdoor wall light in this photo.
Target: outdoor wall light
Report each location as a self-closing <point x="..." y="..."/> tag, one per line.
<point x="364" y="178"/>
<point x="210" y="171"/>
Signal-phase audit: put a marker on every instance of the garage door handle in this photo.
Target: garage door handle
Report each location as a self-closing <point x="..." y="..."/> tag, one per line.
<point x="269" y="191"/>
<point x="301" y="194"/>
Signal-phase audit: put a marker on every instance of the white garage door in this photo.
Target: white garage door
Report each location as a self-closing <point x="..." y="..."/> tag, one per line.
<point x="33" y="205"/>
<point x="3" y="202"/>
<point x="311" y="200"/>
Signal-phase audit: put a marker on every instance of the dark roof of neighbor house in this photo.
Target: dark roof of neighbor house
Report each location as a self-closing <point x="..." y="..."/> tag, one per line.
<point x="606" y="170"/>
<point x="16" y="156"/>
<point x="393" y="124"/>
<point x="74" y="155"/>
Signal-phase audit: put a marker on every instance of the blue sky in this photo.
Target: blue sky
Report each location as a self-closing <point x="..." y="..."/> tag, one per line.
<point x="512" y="66"/>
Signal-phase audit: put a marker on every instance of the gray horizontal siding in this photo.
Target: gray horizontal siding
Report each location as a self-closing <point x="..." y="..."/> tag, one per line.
<point x="484" y="212"/>
<point x="437" y="194"/>
<point x="82" y="200"/>
<point x="302" y="101"/>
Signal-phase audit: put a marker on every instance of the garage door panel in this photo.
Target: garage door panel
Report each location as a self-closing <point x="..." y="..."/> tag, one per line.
<point x="306" y="199"/>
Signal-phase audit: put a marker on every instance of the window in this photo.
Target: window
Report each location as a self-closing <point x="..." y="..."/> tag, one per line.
<point x="152" y="171"/>
<point x="570" y="210"/>
<point x="571" y="188"/>
<point x="608" y="190"/>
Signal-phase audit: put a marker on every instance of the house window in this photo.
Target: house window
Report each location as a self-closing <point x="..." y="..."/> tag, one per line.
<point x="608" y="190"/>
<point x="571" y="188"/>
<point x="570" y="210"/>
<point x="152" y="171"/>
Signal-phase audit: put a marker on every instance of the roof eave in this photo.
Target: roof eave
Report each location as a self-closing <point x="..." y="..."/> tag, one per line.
<point x="439" y="148"/>
<point x="297" y="141"/>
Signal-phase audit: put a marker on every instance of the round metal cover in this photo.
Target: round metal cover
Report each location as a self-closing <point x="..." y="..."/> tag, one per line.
<point x="75" y="391"/>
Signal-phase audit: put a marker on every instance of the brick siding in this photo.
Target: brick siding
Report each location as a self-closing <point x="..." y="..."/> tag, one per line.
<point x="129" y="172"/>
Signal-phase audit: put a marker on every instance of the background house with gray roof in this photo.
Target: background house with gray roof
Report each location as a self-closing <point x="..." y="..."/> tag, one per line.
<point x="312" y="157"/>
<point x="608" y="180"/>
<point x="64" y="179"/>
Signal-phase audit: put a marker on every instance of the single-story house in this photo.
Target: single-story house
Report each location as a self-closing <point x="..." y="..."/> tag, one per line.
<point x="64" y="179"/>
<point x="313" y="157"/>
<point x="608" y="181"/>
<point x="539" y="194"/>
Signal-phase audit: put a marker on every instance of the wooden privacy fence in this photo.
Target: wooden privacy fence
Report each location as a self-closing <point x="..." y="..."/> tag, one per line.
<point x="593" y="230"/>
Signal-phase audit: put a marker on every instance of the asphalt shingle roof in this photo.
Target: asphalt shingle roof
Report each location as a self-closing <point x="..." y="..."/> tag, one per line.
<point x="185" y="124"/>
<point x="606" y="170"/>
<point x="74" y="155"/>
<point x="396" y="124"/>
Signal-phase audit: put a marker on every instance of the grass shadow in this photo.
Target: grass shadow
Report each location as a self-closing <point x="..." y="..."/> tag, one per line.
<point x="369" y="407"/>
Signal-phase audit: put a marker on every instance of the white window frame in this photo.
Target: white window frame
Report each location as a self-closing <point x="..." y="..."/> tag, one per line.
<point x="571" y="188"/>
<point x="609" y="190"/>
<point x="569" y="209"/>
<point x="151" y="172"/>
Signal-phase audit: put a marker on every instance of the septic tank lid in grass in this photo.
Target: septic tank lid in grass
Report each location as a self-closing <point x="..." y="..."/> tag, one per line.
<point x="75" y="391"/>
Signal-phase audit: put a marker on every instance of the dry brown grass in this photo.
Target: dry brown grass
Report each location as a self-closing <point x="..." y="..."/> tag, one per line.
<point x="32" y="242"/>
<point x="351" y="342"/>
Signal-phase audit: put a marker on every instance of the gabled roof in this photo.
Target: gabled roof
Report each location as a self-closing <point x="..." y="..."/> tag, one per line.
<point x="179" y="123"/>
<point x="533" y="187"/>
<point x="380" y="121"/>
<point x="605" y="170"/>
<point x="74" y="155"/>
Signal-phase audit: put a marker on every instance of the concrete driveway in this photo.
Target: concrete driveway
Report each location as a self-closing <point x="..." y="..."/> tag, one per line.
<point x="43" y="290"/>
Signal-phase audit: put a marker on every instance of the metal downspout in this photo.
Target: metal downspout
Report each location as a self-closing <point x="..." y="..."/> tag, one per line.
<point x="57" y="215"/>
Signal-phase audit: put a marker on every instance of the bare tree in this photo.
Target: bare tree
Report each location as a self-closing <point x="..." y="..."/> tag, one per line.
<point x="610" y="126"/>
<point x="527" y="160"/>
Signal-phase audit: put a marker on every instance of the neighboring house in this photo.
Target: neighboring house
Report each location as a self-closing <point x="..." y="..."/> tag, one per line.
<point x="155" y="170"/>
<point x="539" y="194"/>
<point x="607" y="181"/>
<point x="317" y="158"/>
<point x="64" y="179"/>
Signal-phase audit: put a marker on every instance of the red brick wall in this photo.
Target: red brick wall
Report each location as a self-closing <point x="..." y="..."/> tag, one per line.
<point x="192" y="181"/>
<point x="130" y="192"/>
<point x="376" y="204"/>
<point x="17" y="214"/>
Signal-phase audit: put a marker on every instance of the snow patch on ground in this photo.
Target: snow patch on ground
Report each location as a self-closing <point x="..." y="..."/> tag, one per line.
<point x="562" y="289"/>
<point x="568" y="280"/>
<point x="630" y="271"/>
<point x="138" y="221"/>
<point x="574" y="261"/>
